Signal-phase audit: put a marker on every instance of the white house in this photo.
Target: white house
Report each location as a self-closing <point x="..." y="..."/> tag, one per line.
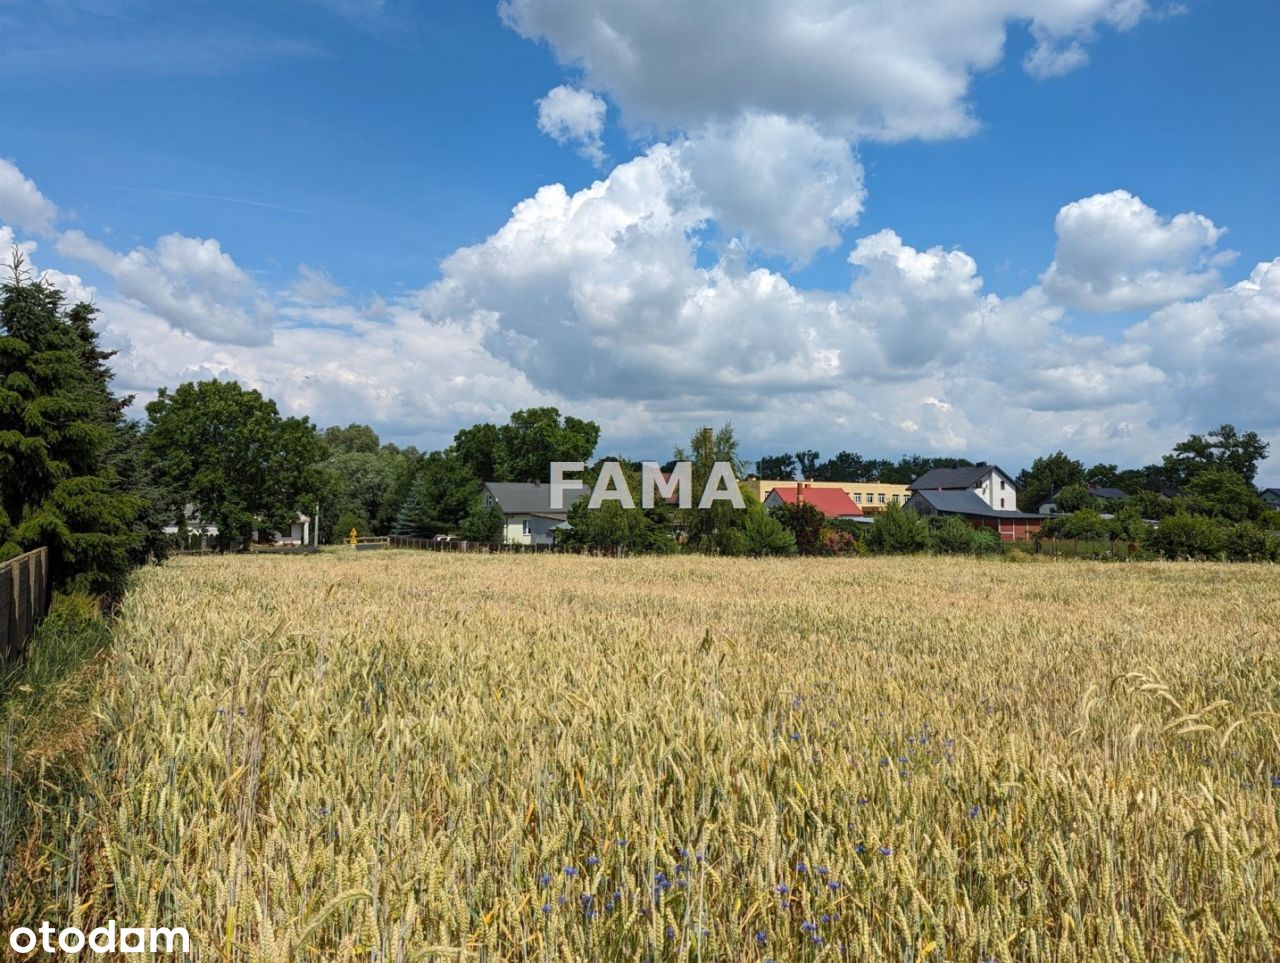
<point x="988" y="482"/>
<point x="196" y="534"/>
<point x="299" y="532"/>
<point x="526" y="507"/>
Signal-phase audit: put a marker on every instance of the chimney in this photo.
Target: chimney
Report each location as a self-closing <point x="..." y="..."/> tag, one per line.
<point x="799" y="493"/>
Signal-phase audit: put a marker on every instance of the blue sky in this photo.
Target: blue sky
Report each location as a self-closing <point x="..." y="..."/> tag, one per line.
<point x="707" y="277"/>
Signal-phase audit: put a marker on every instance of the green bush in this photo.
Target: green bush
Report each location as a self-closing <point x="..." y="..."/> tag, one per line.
<point x="986" y="542"/>
<point x="953" y="536"/>
<point x="898" y="532"/>
<point x="1247" y="542"/>
<point x="1187" y="536"/>
<point x="765" y="534"/>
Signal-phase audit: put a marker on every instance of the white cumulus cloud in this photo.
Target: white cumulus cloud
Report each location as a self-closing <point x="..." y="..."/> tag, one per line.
<point x="879" y="68"/>
<point x="21" y="202"/>
<point x="1115" y="253"/>
<point x="780" y="184"/>
<point x="190" y="282"/>
<point x="573" y="116"/>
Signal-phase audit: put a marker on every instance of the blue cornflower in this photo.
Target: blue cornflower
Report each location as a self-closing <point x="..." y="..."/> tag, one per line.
<point x="620" y="842"/>
<point x="586" y="899"/>
<point x="760" y="938"/>
<point x="782" y="889"/>
<point x="671" y="932"/>
<point x="570" y="871"/>
<point x="860" y="848"/>
<point x="826" y="917"/>
<point x="817" y="940"/>
<point x="808" y="927"/>
<point x="1275" y="782"/>
<point x="801" y="868"/>
<point x="886" y="851"/>
<point x="884" y="760"/>
<point x="593" y="860"/>
<point x="833" y="885"/>
<point x="822" y="871"/>
<point x="795" y="737"/>
<point x="862" y="802"/>
<point x="546" y="907"/>
<point x="544" y="879"/>
<point x="975" y="811"/>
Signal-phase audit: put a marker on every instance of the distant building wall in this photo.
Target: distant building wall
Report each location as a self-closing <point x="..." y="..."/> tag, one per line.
<point x="869" y="496"/>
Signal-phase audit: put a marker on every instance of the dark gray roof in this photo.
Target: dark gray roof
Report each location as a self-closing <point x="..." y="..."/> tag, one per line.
<point x="1097" y="491"/>
<point x="953" y="502"/>
<point x="955" y="477"/>
<point x="1101" y="491"/>
<point x="1273" y="492"/>
<point x="530" y="498"/>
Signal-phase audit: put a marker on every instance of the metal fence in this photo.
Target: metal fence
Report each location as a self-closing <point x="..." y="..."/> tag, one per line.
<point x="504" y="548"/>
<point x="24" y="599"/>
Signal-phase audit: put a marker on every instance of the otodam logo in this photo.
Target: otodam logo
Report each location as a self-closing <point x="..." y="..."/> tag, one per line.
<point x="611" y="486"/>
<point x="107" y="939"/>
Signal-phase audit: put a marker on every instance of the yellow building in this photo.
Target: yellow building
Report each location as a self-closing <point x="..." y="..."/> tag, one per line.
<point x="869" y="496"/>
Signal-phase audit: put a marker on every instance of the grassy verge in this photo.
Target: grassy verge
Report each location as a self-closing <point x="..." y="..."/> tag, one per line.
<point x="47" y="724"/>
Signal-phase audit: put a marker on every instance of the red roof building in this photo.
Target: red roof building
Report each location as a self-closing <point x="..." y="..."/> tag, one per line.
<point x="832" y="502"/>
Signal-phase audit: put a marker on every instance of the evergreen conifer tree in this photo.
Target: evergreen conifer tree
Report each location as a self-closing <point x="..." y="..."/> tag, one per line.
<point x="57" y="488"/>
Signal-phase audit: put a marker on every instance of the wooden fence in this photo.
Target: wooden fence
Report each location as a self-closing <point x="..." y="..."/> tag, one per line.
<point x="506" y="548"/>
<point x="24" y="599"/>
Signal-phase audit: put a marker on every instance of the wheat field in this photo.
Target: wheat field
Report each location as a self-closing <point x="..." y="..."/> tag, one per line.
<point x="409" y="756"/>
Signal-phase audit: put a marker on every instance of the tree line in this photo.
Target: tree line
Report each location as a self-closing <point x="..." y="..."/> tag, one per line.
<point x="97" y="487"/>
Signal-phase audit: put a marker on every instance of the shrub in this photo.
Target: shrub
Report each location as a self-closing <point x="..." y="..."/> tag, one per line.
<point x="954" y="536"/>
<point x="897" y="532"/>
<point x="838" y="541"/>
<point x="1089" y="524"/>
<point x="1187" y="536"/>
<point x="1247" y="542"/>
<point x="804" y="522"/>
<point x="986" y="542"/>
<point x="765" y="534"/>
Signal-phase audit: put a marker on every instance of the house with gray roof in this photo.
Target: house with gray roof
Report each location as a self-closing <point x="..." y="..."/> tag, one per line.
<point x="988" y="482"/>
<point x="1271" y="496"/>
<point x="1010" y="524"/>
<point x="526" y="506"/>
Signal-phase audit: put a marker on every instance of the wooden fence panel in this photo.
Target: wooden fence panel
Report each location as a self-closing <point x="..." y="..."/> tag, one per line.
<point x="24" y="599"/>
<point x="8" y="623"/>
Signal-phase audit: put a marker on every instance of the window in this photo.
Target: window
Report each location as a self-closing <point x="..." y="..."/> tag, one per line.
<point x="882" y="498"/>
<point x="895" y="499"/>
<point x="1002" y="485"/>
<point x="857" y="498"/>
<point x="525" y="527"/>
<point x="1002" y="500"/>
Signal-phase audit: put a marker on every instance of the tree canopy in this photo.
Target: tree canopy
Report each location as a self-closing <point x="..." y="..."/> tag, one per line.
<point x="229" y="452"/>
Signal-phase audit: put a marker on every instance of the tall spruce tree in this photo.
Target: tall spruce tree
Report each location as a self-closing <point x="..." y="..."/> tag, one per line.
<point x="57" y="486"/>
